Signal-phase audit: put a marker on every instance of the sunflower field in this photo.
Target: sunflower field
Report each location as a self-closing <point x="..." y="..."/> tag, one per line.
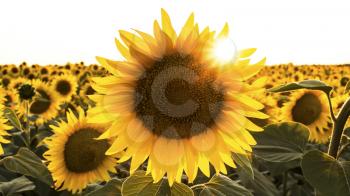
<point x="173" y="119"/>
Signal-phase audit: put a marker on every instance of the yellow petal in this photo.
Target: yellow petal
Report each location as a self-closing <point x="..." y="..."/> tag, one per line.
<point x="186" y="30"/>
<point x="246" y="52"/>
<point x="167" y="26"/>
<point x="123" y="50"/>
<point x="224" y="32"/>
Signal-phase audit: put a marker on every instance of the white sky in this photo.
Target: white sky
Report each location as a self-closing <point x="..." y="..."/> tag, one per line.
<point x="298" y="31"/>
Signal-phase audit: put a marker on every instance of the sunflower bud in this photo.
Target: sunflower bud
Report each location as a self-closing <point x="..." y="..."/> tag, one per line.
<point x="26" y="92"/>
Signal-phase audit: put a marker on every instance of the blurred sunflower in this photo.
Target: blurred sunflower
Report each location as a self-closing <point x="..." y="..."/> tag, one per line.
<point x="45" y="104"/>
<point x="26" y="71"/>
<point x="14" y="71"/>
<point x="65" y="86"/>
<point x="172" y="104"/>
<point x="75" y="157"/>
<point x="3" y="126"/>
<point x="11" y="98"/>
<point x="87" y="90"/>
<point x="311" y="109"/>
<point x="6" y="81"/>
<point x="16" y="83"/>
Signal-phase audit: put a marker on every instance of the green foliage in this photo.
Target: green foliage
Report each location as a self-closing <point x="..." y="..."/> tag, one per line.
<point x="244" y="164"/>
<point x="261" y="184"/>
<point x="221" y="185"/>
<point x="329" y="176"/>
<point x="281" y="142"/>
<point x="27" y="163"/>
<point x="16" y="186"/>
<point x="111" y="188"/>
<point x="306" y="84"/>
<point x="12" y="117"/>
<point x="141" y="184"/>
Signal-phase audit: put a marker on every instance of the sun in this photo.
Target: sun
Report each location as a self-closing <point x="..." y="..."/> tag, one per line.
<point x="172" y="106"/>
<point x="224" y="50"/>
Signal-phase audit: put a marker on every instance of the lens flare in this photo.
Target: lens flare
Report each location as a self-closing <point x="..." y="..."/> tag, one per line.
<point x="224" y="50"/>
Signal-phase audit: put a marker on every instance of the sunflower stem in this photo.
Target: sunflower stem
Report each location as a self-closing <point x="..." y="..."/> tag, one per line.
<point x="331" y="108"/>
<point x="26" y="123"/>
<point x="285" y="179"/>
<point x="338" y="128"/>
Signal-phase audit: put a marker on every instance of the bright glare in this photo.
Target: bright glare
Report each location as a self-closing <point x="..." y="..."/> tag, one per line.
<point x="225" y="50"/>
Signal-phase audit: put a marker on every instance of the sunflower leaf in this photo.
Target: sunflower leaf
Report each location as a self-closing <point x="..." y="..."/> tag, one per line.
<point x="16" y="186"/>
<point x="27" y="163"/>
<point x="111" y="188"/>
<point x="245" y="164"/>
<point x="12" y="117"/>
<point x="221" y="185"/>
<point x="306" y="84"/>
<point x="326" y="174"/>
<point x="281" y="142"/>
<point x="141" y="184"/>
<point x="261" y="185"/>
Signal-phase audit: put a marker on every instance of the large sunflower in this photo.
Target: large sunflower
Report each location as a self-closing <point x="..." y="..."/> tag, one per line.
<point x="311" y="109"/>
<point x="75" y="157"/>
<point x="172" y="103"/>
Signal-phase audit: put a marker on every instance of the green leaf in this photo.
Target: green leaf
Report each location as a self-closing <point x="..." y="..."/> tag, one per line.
<point x="281" y="142"/>
<point x="261" y="185"/>
<point x="141" y="184"/>
<point x="28" y="163"/>
<point x="326" y="174"/>
<point x="276" y="168"/>
<point x="16" y="186"/>
<point x="244" y="163"/>
<point x="306" y="84"/>
<point x="112" y="188"/>
<point x="221" y="185"/>
<point x="12" y="117"/>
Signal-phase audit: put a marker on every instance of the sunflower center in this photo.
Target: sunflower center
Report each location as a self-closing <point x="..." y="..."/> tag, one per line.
<point x="63" y="87"/>
<point x="177" y="91"/>
<point x="82" y="152"/>
<point x="307" y="109"/>
<point x="90" y="91"/>
<point x="177" y="97"/>
<point x="42" y="104"/>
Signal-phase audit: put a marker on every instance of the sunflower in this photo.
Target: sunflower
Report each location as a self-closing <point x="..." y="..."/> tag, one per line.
<point x="65" y="86"/>
<point x="45" y="104"/>
<point x="11" y="98"/>
<point x="14" y="71"/>
<point x="75" y="157"/>
<point x="5" y="81"/>
<point x="87" y="90"/>
<point x="26" y="71"/>
<point x="16" y="83"/>
<point x="174" y="105"/>
<point x="45" y="70"/>
<point x="3" y="125"/>
<point x="311" y="109"/>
